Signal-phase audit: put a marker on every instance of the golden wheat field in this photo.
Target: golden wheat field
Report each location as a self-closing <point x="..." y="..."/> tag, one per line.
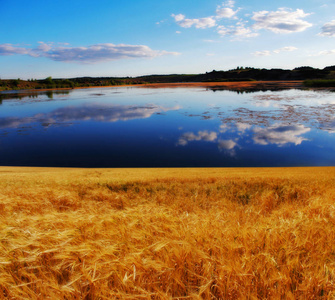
<point x="167" y="233"/>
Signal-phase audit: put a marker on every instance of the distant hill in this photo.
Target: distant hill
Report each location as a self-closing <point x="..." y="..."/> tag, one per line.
<point x="238" y="74"/>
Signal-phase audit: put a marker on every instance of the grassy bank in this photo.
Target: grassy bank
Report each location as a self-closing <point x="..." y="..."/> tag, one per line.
<point x="167" y="233"/>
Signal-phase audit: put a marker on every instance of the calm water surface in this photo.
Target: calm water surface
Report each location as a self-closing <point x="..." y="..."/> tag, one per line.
<point x="167" y="127"/>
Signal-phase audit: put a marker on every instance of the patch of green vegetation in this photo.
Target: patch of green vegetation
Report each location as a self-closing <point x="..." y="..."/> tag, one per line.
<point x="320" y="83"/>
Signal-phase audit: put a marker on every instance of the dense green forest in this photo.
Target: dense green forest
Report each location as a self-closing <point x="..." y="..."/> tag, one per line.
<point x="311" y="76"/>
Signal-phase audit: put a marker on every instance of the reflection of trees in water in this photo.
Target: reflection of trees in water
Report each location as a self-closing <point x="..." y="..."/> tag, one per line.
<point x="249" y="90"/>
<point x="243" y="91"/>
<point x="15" y="96"/>
<point x="32" y="95"/>
<point x="50" y="94"/>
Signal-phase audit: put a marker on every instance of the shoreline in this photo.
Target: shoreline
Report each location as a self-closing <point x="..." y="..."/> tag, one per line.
<point x="238" y="85"/>
<point x="232" y="84"/>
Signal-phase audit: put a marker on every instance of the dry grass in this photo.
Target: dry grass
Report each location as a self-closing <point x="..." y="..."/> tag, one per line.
<point x="236" y="85"/>
<point x="167" y="233"/>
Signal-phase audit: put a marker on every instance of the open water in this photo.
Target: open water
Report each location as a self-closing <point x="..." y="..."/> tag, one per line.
<point x="167" y="127"/>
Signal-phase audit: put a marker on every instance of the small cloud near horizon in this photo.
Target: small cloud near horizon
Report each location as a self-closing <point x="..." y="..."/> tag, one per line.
<point x="324" y="52"/>
<point x="277" y="51"/>
<point x="262" y="53"/>
<point x="328" y="29"/>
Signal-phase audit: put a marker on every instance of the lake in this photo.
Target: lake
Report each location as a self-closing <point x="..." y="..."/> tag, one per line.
<point x="167" y="127"/>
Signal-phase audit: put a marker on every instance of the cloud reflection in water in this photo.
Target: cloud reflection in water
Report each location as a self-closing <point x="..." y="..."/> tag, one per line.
<point x="201" y="136"/>
<point x="90" y="112"/>
<point x="280" y="134"/>
<point x="206" y="136"/>
<point x="277" y="134"/>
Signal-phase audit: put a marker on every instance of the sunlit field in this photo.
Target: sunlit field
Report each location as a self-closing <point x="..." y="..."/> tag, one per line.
<point x="167" y="233"/>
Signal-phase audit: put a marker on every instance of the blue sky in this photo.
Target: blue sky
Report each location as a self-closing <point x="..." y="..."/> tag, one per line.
<point x="130" y="38"/>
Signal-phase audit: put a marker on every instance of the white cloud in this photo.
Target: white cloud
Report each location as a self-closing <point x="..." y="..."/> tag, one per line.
<point x="262" y="53"/>
<point x="284" y="20"/>
<point x="178" y="17"/>
<point x="326" y="52"/>
<point x="89" y="54"/>
<point x="102" y="52"/>
<point x="285" y="49"/>
<point x="205" y="22"/>
<point x="201" y="136"/>
<point x="197" y="23"/>
<point x="43" y="47"/>
<point x="238" y="31"/>
<point x="8" y="49"/>
<point x="328" y="29"/>
<point x="223" y="11"/>
<point x="280" y="134"/>
<point x="210" y="41"/>
<point x="226" y="10"/>
<point x="277" y="51"/>
<point x="229" y="3"/>
<point x="281" y="21"/>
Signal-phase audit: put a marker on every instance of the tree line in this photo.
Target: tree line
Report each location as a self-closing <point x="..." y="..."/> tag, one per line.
<point x="311" y="76"/>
